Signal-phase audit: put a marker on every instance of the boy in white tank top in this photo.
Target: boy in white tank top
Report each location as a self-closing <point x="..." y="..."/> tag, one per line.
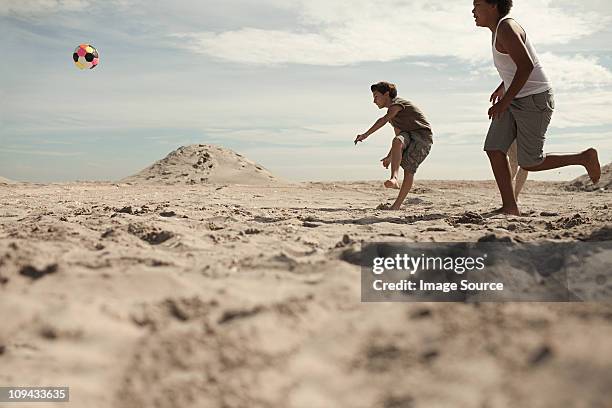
<point x="522" y="105"/>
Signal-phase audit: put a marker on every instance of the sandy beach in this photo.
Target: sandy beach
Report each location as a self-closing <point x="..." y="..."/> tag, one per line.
<point x="207" y="281"/>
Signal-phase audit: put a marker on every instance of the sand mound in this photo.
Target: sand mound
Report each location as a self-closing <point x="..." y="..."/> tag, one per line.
<point x="198" y="164"/>
<point x="6" y="181"/>
<point x="583" y="183"/>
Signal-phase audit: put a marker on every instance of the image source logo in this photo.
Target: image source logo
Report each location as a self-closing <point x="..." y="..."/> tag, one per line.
<point x="490" y="272"/>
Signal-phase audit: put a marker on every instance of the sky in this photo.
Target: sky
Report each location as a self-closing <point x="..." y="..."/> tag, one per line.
<point x="286" y="83"/>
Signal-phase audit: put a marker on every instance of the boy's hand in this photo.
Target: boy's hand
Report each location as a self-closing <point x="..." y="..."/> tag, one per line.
<point x="497" y="95"/>
<point x="360" y="138"/>
<point x="386" y="161"/>
<point x="498" y="109"/>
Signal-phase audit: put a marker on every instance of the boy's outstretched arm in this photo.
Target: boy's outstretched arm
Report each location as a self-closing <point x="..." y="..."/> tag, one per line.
<point x="393" y="110"/>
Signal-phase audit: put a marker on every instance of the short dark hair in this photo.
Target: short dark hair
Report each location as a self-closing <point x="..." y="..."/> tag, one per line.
<point x="503" y="6"/>
<point x="384" y="87"/>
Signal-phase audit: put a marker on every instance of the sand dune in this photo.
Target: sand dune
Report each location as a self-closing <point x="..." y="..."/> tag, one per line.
<point x="218" y="295"/>
<point x="199" y="164"/>
<point x="5" y="181"/>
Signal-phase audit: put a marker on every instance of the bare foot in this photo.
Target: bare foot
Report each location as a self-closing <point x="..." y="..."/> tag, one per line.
<point x="394" y="207"/>
<point x="508" y="211"/>
<point x="387" y="207"/>
<point x="392" y="183"/>
<point x="592" y="165"/>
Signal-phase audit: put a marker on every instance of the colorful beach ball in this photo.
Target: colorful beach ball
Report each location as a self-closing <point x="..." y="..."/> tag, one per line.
<point x="85" y="56"/>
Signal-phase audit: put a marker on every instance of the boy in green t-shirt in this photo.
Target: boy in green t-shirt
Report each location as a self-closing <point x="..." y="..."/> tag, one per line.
<point x="413" y="137"/>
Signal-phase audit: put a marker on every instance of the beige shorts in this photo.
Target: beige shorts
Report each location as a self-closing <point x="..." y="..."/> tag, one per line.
<point x="416" y="147"/>
<point x="527" y="121"/>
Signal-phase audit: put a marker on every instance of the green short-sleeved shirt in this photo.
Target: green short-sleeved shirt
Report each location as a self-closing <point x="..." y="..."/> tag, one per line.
<point x="409" y="118"/>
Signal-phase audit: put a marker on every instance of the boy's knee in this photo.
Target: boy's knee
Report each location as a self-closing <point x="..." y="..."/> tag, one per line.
<point x="397" y="142"/>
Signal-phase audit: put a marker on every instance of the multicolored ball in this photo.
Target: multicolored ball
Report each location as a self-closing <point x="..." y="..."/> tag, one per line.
<point x="85" y="56"/>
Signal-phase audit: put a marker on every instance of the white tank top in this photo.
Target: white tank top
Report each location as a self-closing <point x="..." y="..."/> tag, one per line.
<point x="537" y="82"/>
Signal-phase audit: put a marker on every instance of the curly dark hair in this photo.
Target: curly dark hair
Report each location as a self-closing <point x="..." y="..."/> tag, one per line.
<point x="384" y="87"/>
<point x="503" y="6"/>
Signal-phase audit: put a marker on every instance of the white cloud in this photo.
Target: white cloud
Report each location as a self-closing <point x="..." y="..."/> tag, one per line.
<point x="575" y="72"/>
<point x="345" y="32"/>
<point x="547" y="23"/>
<point x="31" y="8"/>
<point x="582" y="109"/>
<point x="566" y="72"/>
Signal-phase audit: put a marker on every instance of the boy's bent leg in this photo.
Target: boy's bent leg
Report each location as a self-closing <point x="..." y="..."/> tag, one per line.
<point x="501" y="171"/>
<point x="521" y="178"/>
<point x="397" y="148"/>
<point x="513" y="160"/>
<point x="406" y="186"/>
<point x="588" y="158"/>
<point x="532" y="126"/>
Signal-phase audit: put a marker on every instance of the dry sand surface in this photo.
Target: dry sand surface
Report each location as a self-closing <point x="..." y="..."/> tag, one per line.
<point x="220" y="294"/>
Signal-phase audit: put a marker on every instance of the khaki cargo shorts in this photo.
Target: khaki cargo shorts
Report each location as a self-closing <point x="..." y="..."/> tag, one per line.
<point x="417" y="145"/>
<point x="527" y="121"/>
